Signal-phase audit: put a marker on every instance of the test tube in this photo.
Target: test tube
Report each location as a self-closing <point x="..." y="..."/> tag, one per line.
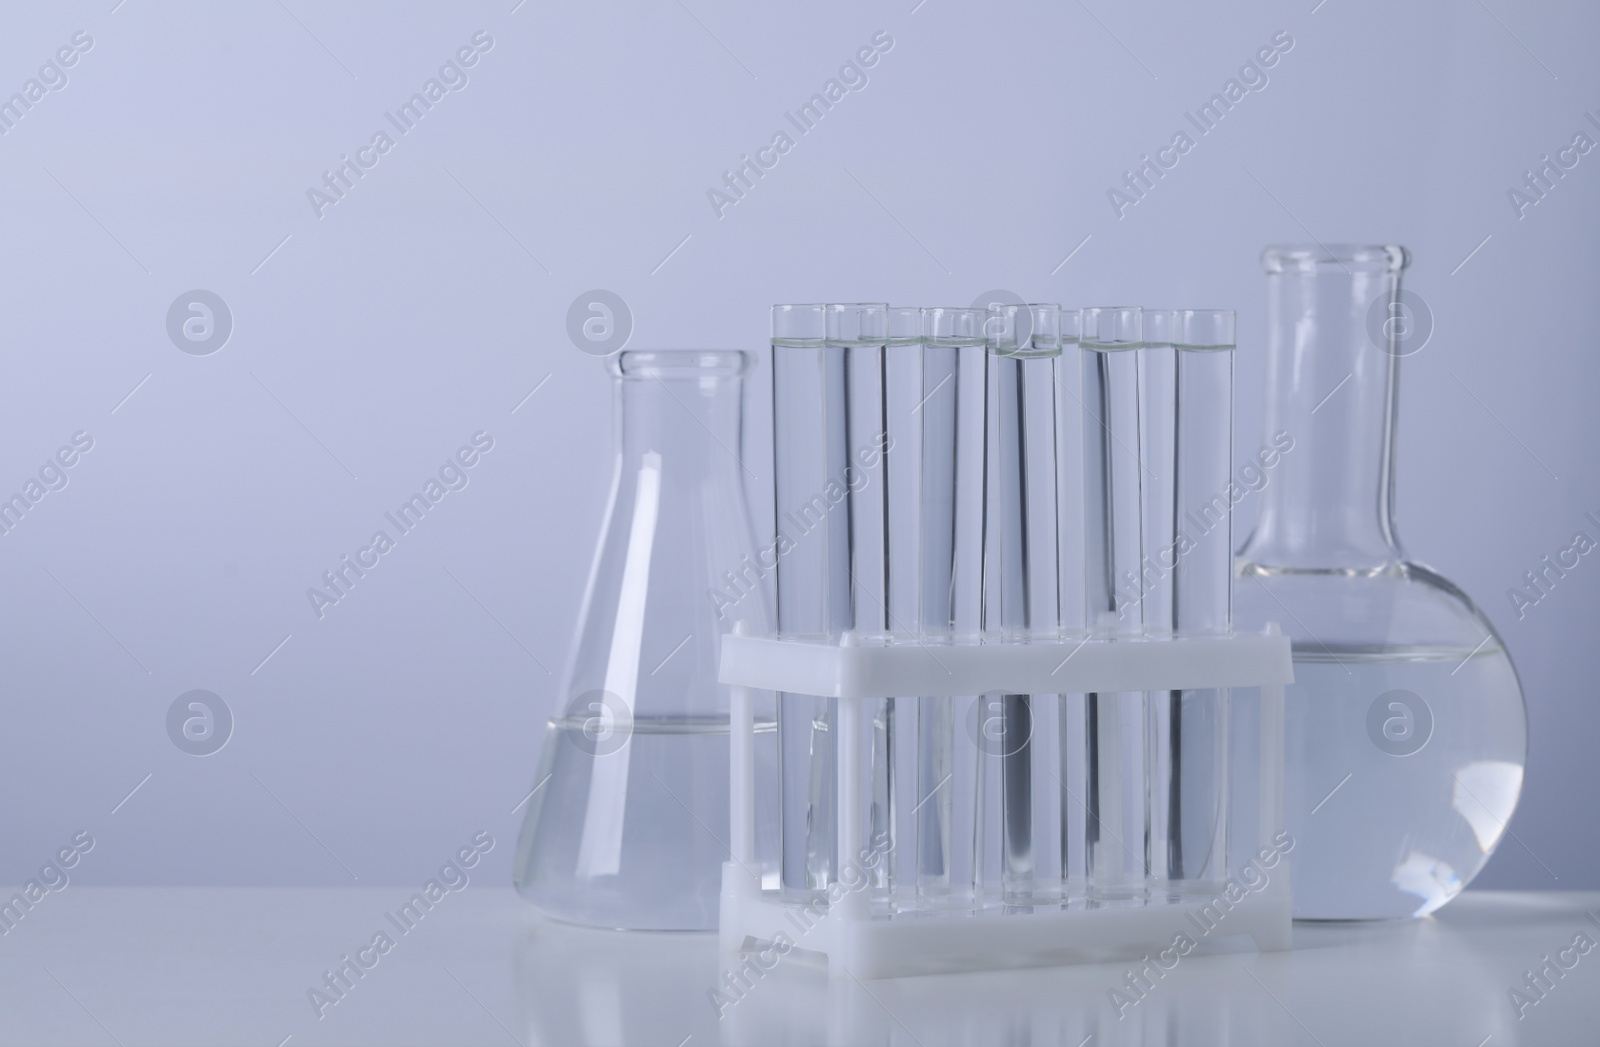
<point x="1070" y="477"/>
<point x="1159" y="450"/>
<point x="1192" y="830"/>
<point x="1205" y="464"/>
<point x="812" y="577"/>
<point x="1070" y="780"/>
<point x="901" y="494"/>
<point x="1114" y="553"/>
<point x="1157" y="357"/>
<point x="1021" y="572"/>
<point x="860" y="332"/>
<point x="951" y="412"/>
<point x="903" y="395"/>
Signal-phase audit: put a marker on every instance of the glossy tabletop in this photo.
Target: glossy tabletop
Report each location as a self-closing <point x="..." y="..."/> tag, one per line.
<point x="134" y="966"/>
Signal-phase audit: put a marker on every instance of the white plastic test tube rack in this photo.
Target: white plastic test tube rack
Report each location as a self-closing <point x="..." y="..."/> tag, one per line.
<point x="865" y="944"/>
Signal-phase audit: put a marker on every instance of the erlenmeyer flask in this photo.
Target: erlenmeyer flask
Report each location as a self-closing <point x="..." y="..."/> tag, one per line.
<point x="1406" y="733"/>
<point x="627" y="826"/>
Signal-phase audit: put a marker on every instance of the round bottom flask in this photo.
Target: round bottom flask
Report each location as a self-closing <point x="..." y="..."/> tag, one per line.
<point x="1406" y="731"/>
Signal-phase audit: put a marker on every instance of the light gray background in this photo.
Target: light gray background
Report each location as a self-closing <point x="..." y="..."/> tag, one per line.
<point x="426" y="305"/>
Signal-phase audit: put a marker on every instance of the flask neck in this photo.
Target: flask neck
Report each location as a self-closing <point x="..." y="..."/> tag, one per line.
<point x="690" y="426"/>
<point x="1332" y="395"/>
<point x="683" y="408"/>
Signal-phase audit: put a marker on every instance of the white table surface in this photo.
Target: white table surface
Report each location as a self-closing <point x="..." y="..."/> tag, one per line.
<point x="135" y="966"/>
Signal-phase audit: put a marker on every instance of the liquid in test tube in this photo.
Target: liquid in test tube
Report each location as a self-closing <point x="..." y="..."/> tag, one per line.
<point x="812" y="579"/>
<point x="951" y="410"/>
<point x="1021" y="575"/>
<point x="1190" y="837"/>
<point x="1114" y="551"/>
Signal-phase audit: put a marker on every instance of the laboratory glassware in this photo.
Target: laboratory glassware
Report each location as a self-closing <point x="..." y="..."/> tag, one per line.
<point x="1114" y="475"/>
<point x="1018" y="824"/>
<point x="1158" y="452"/>
<point x="1012" y="475"/>
<point x="1407" y="733"/>
<point x="812" y="581"/>
<point x="899" y="494"/>
<point x="830" y="442"/>
<point x="952" y="412"/>
<point x="1187" y="382"/>
<point x="627" y="822"/>
<point x="860" y="331"/>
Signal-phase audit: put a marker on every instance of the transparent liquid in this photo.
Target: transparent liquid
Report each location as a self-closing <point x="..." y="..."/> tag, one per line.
<point x="1395" y="809"/>
<point x="637" y="832"/>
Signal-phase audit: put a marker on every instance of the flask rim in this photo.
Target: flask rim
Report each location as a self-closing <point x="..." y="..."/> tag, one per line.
<point x="1348" y="258"/>
<point x="679" y="364"/>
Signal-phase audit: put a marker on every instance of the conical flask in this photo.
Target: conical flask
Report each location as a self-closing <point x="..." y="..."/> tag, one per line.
<point x="1406" y="732"/>
<point x="627" y="826"/>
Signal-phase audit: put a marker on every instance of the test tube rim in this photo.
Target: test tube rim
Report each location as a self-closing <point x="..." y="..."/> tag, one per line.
<point x="799" y="343"/>
<point x="973" y="341"/>
<point x="1232" y="317"/>
<point x="1101" y="346"/>
<point x="845" y="343"/>
<point x="898" y="340"/>
<point x="1032" y="351"/>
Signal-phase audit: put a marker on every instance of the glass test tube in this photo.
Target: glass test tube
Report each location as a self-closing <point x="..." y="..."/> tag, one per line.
<point x="860" y="332"/>
<point x="1157" y="358"/>
<point x="1114" y="553"/>
<point x="1070" y="781"/>
<point x="1021" y="576"/>
<point x="903" y="393"/>
<point x="951" y="412"/>
<point x="812" y="576"/>
<point x="894" y="721"/>
<point x="1190" y="807"/>
<point x="1205" y="462"/>
<point x="1069" y="480"/>
<point x="1159" y="450"/>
